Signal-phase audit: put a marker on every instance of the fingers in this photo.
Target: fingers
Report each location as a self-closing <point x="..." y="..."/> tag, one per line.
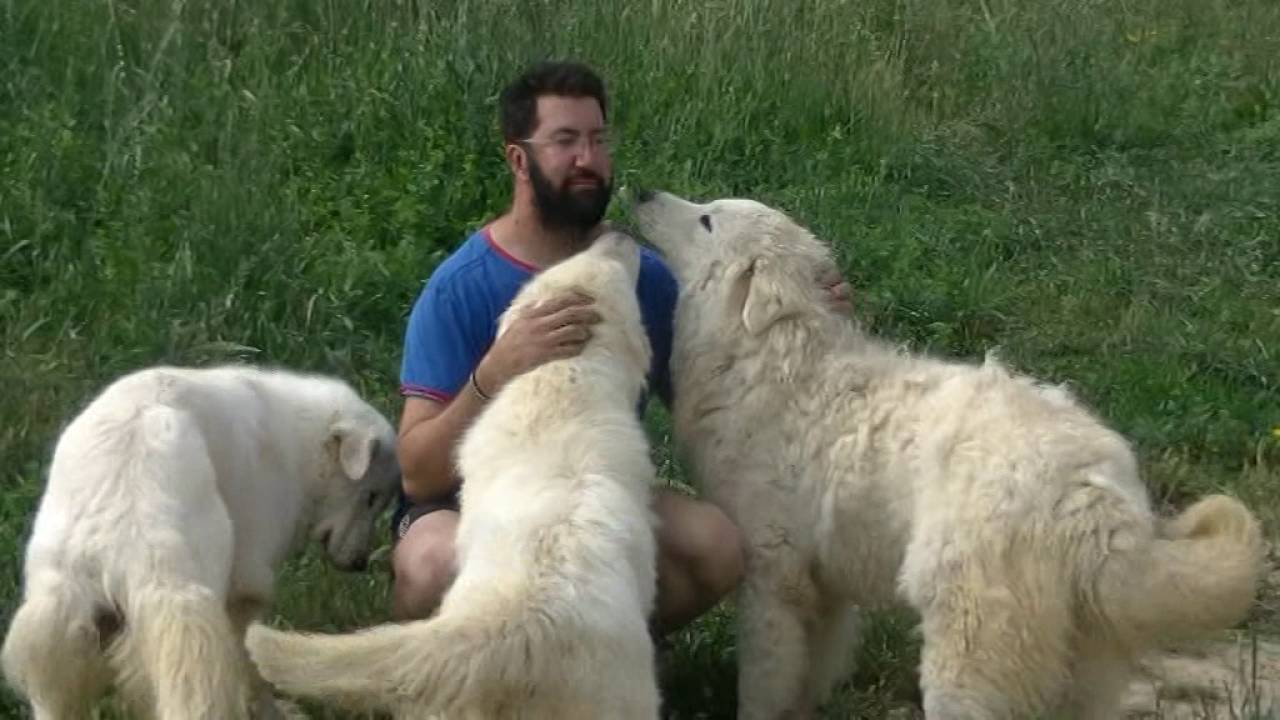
<point x="558" y="328"/>
<point x="574" y="315"/>
<point x="570" y="335"/>
<point x="564" y="352"/>
<point x="840" y="298"/>
<point x="559" y="304"/>
<point x="839" y="293"/>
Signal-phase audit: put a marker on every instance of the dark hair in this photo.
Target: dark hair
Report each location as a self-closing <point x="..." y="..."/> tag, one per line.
<point x="518" y="103"/>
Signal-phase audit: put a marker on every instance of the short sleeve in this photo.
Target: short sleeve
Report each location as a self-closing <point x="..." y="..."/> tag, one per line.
<point x="439" y="347"/>
<point x="658" y="295"/>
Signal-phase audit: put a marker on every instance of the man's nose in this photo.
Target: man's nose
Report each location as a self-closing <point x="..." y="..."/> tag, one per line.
<point x="589" y="152"/>
<point x="585" y="155"/>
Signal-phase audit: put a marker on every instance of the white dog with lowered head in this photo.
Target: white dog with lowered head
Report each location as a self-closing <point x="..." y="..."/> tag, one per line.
<point x="1005" y="513"/>
<point x="547" y="619"/>
<point x="171" y="501"/>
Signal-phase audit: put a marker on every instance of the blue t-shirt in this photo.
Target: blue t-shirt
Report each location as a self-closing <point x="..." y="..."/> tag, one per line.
<point x="455" y="318"/>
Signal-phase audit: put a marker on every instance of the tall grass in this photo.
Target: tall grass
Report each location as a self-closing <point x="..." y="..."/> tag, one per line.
<point x="1092" y="187"/>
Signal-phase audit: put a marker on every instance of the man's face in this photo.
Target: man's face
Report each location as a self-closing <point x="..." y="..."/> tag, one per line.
<point x="570" y="165"/>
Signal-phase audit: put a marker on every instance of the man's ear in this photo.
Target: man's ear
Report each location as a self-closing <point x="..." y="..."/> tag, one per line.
<point x="767" y="300"/>
<point x="356" y="447"/>
<point x="518" y="160"/>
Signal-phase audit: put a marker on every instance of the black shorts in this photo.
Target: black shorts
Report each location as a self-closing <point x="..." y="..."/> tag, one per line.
<point x="409" y="513"/>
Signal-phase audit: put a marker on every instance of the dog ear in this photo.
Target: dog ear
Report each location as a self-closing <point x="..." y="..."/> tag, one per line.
<point x="766" y="300"/>
<point x="357" y="446"/>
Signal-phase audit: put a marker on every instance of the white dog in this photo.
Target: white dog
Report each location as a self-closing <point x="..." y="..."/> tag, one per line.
<point x="1010" y="518"/>
<point x="547" y="618"/>
<point x="171" y="501"/>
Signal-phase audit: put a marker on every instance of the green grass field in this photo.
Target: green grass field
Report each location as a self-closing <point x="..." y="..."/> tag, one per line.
<point x="1091" y="187"/>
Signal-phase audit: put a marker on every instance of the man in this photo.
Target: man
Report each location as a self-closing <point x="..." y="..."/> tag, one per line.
<point x="557" y="146"/>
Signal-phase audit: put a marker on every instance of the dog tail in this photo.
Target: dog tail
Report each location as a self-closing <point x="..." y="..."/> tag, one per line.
<point x="429" y="665"/>
<point x="52" y="651"/>
<point x="179" y="648"/>
<point x="1198" y="575"/>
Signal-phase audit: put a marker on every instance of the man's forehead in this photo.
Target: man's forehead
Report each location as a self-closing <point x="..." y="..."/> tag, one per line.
<point x="560" y="112"/>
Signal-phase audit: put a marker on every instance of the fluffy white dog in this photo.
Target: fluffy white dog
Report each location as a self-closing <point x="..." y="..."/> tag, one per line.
<point x="1006" y="514"/>
<point x="171" y="501"/>
<point x="547" y="619"/>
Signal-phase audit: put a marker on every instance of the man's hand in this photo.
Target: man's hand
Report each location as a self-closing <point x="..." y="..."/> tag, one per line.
<point x="839" y="295"/>
<point x="557" y="328"/>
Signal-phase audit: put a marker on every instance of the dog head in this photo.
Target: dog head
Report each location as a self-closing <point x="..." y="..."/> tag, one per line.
<point x="360" y="476"/>
<point x="748" y="265"/>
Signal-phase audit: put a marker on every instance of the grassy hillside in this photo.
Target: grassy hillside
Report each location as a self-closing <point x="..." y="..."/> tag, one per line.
<point x="1091" y="187"/>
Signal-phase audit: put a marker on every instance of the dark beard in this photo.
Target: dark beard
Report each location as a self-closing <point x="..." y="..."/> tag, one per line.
<point x="567" y="209"/>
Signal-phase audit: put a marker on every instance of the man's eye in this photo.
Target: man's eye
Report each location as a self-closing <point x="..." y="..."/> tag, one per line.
<point x="706" y="222"/>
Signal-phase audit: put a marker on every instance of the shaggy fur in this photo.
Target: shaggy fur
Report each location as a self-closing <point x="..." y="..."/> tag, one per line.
<point x="547" y="619"/>
<point x="999" y="508"/>
<point x="171" y="500"/>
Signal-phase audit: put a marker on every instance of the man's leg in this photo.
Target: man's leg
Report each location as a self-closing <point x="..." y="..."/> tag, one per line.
<point x="699" y="561"/>
<point x="425" y="564"/>
<point x="700" y="558"/>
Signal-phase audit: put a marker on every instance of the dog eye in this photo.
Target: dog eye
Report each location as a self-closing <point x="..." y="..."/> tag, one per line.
<point x="371" y="500"/>
<point x="706" y="222"/>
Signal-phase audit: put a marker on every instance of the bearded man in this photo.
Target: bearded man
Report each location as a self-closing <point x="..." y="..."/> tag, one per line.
<point x="556" y="137"/>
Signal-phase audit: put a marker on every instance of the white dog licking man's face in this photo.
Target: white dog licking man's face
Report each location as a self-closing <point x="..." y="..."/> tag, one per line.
<point x="759" y="261"/>
<point x="1000" y="509"/>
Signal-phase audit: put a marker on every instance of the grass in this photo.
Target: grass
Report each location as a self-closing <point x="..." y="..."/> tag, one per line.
<point x="1091" y="187"/>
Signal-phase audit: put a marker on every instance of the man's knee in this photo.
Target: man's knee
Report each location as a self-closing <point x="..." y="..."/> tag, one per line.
<point x="702" y="538"/>
<point x="723" y="563"/>
<point x="425" y="565"/>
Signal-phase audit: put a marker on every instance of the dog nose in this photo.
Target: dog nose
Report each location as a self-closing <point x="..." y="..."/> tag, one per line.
<point x="644" y="195"/>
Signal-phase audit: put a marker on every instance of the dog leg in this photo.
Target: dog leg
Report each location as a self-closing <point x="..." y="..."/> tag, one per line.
<point x="53" y="652"/>
<point x="1102" y="675"/>
<point x="263" y="703"/>
<point x="774" y="655"/>
<point x="833" y="637"/>
<point x="987" y="656"/>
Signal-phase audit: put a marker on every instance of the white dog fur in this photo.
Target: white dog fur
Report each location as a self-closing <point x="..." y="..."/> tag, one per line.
<point x="1006" y="514"/>
<point x="547" y="619"/>
<point x="171" y="501"/>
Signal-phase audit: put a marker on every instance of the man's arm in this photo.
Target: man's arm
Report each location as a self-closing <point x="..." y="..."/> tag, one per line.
<point x="430" y="430"/>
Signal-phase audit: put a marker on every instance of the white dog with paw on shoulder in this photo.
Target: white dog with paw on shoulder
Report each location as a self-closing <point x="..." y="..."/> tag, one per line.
<point x="1001" y="509"/>
<point x="171" y="501"/>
